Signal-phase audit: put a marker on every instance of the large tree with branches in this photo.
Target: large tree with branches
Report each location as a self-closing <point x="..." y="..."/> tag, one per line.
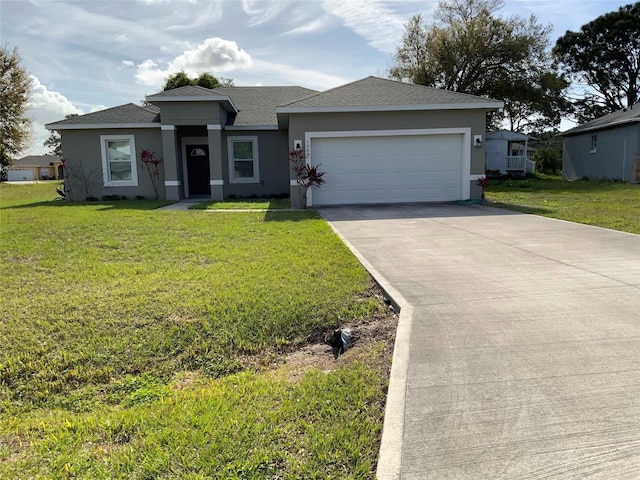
<point x="15" y="90"/>
<point x="604" y="59"/>
<point x="470" y="49"/>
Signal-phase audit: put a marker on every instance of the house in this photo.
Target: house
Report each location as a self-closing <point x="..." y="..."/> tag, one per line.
<point x="605" y="148"/>
<point x="508" y="153"/>
<point x="35" y="167"/>
<point x="376" y="140"/>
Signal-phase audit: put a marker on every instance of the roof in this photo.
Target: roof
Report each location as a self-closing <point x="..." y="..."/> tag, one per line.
<point x="508" y="135"/>
<point x="257" y="105"/>
<point x="612" y="120"/>
<point x="36" y="160"/>
<point x="123" y="116"/>
<point x="381" y="94"/>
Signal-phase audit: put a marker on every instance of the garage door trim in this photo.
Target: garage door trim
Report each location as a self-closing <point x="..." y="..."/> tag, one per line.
<point x="464" y="131"/>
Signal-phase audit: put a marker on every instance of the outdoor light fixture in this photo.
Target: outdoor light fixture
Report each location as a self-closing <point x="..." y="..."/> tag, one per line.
<point x="477" y="140"/>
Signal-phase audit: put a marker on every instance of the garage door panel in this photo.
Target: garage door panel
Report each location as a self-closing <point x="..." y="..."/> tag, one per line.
<point x="388" y="169"/>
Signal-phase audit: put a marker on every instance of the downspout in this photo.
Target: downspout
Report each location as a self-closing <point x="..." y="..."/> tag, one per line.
<point x="624" y="155"/>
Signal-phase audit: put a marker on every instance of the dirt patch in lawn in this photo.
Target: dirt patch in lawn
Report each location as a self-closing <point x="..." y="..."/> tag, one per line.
<point x="316" y="352"/>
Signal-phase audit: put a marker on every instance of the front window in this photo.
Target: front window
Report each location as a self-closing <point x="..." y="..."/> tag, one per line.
<point x="119" y="160"/>
<point x="243" y="159"/>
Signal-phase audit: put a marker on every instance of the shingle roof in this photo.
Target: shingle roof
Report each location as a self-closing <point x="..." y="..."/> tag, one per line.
<point x="123" y="114"/>
<point x="257" y="105"/>
<point x="376" y="92"/>
<point x="187" y="91"/>
<point x="621" y="117"/>
<point x="36" y="160"/>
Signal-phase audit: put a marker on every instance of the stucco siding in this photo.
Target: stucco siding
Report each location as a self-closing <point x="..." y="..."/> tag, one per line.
<point x="191" y="113"/>
<point x="82" y="151"/>
<point x="300" y="123"/>
<point x="273" y="164"/>
<point x="613" y="157"/>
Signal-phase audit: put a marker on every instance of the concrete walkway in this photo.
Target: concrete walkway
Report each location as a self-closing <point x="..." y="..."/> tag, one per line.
<point x="518" y="348"/>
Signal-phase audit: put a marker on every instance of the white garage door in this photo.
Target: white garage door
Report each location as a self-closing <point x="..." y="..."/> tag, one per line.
<point x="388" y="169"/>
<point x="20" y="175"/>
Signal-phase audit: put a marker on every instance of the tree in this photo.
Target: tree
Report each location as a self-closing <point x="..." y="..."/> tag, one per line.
<point x="471" y="50"/>
<point x="206" y="80"/>
<point x="604" y="56"/>
<point x="15" y="87"/>
<point x="54" y="142"/>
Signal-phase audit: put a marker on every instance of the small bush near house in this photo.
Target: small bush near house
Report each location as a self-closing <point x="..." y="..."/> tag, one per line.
<point x="548" y="160"/>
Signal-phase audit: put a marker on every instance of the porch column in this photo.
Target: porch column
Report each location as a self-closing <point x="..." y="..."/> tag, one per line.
<point x="170" y="160"/>
<point x="214" y="134"/>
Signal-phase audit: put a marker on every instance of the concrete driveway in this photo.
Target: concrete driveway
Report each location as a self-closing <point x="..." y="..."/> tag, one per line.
<point x="518" y="349"/>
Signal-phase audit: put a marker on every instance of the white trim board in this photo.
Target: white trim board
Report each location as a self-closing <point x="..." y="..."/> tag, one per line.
<point x="466" y="147"/>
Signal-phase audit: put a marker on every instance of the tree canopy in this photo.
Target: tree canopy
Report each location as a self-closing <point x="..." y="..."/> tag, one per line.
<point x="15" y="90"/>
<point x="206" y="80"/>
<point x="605" y="56"/>
<point x="470" y="49"/>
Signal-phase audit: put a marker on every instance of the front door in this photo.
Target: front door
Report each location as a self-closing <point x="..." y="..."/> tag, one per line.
<point x="198" y="169"/>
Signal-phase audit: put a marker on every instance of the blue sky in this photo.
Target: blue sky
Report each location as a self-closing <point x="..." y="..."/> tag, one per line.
<point x="85" y="55"/>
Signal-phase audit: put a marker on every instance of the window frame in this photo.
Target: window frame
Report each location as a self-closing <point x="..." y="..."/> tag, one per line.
<point x="255" y="159"/>
<point x="594" y="143"/>
<point x="106" y="171"/>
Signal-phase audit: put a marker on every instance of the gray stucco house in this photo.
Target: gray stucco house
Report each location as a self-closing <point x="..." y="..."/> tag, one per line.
<point x="605" y="148"/>
<point x="377" y="140"/>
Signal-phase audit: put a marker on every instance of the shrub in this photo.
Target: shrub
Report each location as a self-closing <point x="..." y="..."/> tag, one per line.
<point x="548" y="160"/>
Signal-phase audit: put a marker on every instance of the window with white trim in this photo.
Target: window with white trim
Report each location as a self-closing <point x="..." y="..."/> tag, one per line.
<point x="243" y="159"/>
<point x="594" y="143"/>
<point x="119" y="160"/>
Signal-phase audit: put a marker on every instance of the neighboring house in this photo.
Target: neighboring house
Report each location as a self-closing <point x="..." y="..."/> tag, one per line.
<point x="508" y="153"/>
<point x="35" y="167"/>
<point x="607" y="147"/>
<point x="377" y="140"/>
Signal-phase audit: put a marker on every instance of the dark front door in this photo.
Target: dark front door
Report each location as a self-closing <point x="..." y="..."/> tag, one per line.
<point x="198" y="170"/>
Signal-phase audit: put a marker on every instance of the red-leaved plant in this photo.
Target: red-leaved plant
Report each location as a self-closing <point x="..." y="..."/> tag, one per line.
<point x="482" y="182"/>
<point x="306" y="175"/>
<point x="151" y="162"/>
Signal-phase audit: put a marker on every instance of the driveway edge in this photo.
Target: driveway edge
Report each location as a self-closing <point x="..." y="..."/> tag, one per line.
<point x="390" y="455"/>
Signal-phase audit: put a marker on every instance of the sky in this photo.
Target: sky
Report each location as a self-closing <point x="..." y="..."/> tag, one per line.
<point x="86" y="55"/>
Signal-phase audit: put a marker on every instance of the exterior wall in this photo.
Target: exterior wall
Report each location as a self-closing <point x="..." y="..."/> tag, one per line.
<point x="191" y="113"/>
<point x="273" y="164"/>
<point x="300" y="123"/>
<point x="496" y="153"/>
<point x="613" y="158"/>
<point x="82" y="151"/>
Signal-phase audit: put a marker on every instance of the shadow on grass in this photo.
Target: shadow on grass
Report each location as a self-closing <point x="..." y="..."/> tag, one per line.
<point x="114" y="205"/>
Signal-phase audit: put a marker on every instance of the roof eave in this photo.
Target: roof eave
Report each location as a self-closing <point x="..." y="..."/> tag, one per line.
<point x="225" y="99"/>
<point x="391" y="108"/>
<point x="95" y="126"/>
<point x="607" y="126"/>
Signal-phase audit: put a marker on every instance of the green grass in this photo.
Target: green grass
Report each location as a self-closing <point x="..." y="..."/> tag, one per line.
<point x="608" y="204"/>
<point x="246" y="204"/>
<point x="124" y="334"/>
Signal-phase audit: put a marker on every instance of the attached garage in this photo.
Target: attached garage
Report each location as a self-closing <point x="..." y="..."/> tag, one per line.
<point x="20" y="175"/>
<point x="382" y="141"/>
<point x="390" y="166"/>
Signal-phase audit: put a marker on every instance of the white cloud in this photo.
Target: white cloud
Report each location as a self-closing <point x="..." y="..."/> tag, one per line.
<point x="213" y="55"/>
<point x="49" y="100"/>
<point x="372" y="20"/>
<point x="261" y="11"/>
<point x="313" y="26"/>
<point x="128" y="63"/>
<point x="121" y="38"/>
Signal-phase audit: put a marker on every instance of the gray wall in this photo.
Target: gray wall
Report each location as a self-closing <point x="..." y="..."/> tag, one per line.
<point x="192" y="113"/>
<point x="81" y="149"/>
<point x="613" y="158"/>
<point x="273" y="164"/>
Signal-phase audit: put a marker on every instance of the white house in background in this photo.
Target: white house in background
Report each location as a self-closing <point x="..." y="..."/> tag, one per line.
<point x="508" y="153"/>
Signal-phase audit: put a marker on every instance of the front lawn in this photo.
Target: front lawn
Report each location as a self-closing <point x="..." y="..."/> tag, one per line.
<point x="139" y="343"/>
<point x="608" y="204"/>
